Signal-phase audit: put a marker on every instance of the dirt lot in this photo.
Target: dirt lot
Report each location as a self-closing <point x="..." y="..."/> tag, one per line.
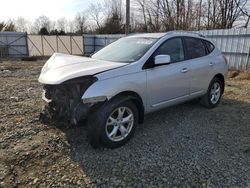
<point x="182" y="146"/>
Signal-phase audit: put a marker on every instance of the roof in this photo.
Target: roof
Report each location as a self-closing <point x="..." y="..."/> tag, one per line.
<point x="170" y="33"/>
<point x="147" y="35"/>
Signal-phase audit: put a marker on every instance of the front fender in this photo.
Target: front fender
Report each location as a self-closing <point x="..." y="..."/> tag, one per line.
<point x="109" y="88"/>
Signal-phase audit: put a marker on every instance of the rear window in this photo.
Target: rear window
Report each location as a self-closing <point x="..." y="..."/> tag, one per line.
<point x="194" y="47"/>
<point x="209" y="45"/>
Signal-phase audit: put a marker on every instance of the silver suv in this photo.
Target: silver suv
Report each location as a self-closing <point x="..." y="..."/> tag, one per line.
<point x="131" y="77"/>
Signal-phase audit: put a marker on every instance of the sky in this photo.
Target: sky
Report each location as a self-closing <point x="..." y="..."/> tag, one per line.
<point x="31" y="9"/>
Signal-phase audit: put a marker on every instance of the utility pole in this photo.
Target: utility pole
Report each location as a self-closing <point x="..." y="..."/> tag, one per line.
<point x="127" y="26"/>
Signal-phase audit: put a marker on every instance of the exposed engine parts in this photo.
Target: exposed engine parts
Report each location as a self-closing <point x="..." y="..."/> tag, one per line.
<point x="64" y="100"/>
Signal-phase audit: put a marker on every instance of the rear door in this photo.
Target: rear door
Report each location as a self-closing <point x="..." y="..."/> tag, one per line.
<point x="201" y="64"/>
<point x="168" y="83"/>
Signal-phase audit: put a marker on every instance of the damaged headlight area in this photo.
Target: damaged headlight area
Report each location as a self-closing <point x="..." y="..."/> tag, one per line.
<point x="64" y="100"/>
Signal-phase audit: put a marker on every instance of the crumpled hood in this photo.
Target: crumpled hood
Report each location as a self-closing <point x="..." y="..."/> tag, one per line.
<point x="63" y="67"/>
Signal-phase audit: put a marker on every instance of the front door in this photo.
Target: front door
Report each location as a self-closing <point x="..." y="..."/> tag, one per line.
<point x="168" y="83"/>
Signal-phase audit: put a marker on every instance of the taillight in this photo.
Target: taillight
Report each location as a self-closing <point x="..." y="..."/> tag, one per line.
<point x="225" y="59"/>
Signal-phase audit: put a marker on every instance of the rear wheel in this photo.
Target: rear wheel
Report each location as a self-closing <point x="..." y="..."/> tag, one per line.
<point x="113" y="124"/>
<point x="213" y="95"/>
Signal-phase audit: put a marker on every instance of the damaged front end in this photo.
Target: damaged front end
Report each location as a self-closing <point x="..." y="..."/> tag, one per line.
<point x="64" y="101"/>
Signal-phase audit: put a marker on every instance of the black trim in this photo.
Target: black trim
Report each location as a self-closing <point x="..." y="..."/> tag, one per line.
<point x="206" y="48"/>
<point x="205" y="44"/>
<point x="185" y="48"/>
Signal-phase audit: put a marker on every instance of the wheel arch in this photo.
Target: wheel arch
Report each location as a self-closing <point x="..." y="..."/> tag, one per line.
<point x="221" y="77"/>
<point x="136" y="99"/>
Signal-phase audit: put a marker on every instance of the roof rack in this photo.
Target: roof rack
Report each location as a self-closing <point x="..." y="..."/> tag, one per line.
<point x="189" y="32"/>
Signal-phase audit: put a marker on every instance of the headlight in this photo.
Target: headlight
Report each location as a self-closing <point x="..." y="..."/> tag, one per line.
<point x="84" y="82"/>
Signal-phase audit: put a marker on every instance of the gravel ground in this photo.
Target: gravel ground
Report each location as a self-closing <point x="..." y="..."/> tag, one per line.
<point x="182" y="146"/>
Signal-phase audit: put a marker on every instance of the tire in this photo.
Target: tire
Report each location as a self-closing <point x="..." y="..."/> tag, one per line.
<point x="213" y="96"/>
<point x="101" y="124"/>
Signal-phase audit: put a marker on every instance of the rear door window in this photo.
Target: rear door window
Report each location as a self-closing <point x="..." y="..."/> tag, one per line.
<point x="194" y="48"/>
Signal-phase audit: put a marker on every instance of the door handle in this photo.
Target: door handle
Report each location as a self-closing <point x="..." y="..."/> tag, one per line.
<point x="211" y="64"/>
<point x="184" y="70"/>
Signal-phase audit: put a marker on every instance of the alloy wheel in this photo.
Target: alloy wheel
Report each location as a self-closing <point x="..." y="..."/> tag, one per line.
<point x="119" y="124"/>
<point x="215" y="93"/>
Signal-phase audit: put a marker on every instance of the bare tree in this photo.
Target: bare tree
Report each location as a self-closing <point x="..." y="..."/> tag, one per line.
<point x="142" y="7"/>
<point x="221" y="14"/>
<point x="95" y="14"/>
<point x="42" y="22"/>
<point x="52" y="25"/>
<point x="147" y="16"/>
<point x="2" y="26"/>
<point x="61" y="24"/>
<point x="163" y="15"/>
<point x="10" y="26"/>
<point x="70" y="26"/>
<point x="244" y="7"/>
<point x="80" y="23"/>
<point x="21" y="24"/>
<point x="113" y="21"/>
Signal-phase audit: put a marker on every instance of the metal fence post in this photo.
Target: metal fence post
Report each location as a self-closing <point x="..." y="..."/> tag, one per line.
<point x="83" y="45"/>
<point x="70" y="39"/>
<point x="94" y="43"/>
<point x="42" y="44"/>
<point x="247" y="63"/>
<point x="57" y="43"/>
<point x="27" y="46"/>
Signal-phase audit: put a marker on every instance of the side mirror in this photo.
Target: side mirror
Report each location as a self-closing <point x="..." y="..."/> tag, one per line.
<point x="162" y="59"/>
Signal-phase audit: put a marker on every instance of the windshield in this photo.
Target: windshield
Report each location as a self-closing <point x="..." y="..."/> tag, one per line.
<point x="125" y="50"/>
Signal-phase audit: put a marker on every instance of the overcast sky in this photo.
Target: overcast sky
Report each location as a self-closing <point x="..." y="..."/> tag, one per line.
<point x="31" y="9"/>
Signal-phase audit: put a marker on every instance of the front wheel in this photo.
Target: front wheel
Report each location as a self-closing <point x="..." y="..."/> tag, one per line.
<point x="212" y="98"/>
<point x="113" y="124"/>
